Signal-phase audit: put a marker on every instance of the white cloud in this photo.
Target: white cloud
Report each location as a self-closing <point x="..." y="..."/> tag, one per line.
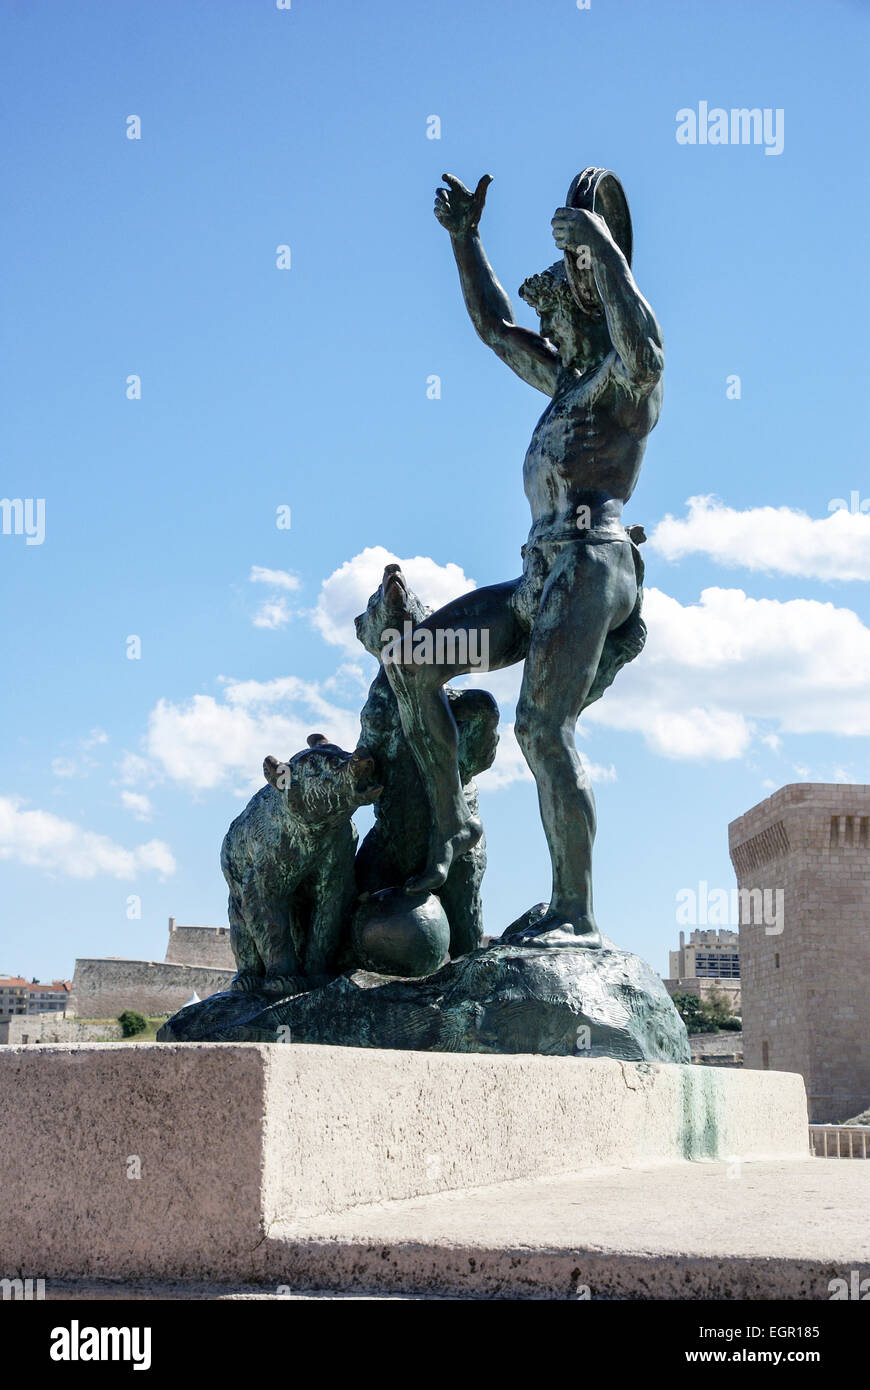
<point x="205" y="742"/>
<point x="510" y="766"/>
<point x="138" y="803"/>
<point x="134" y="770"/>
<point x="63" y="766"/>
<point x="598" y="772"/>
<point x="42" y="840"/>
<point x="776" y="540"/>
<point x="712" y="670"/>
<point x="282" y="690"/>
<point x="348" y="589"/>
<point x="273" y="614"/>
<point x="715" y="676"/>
<point x="503" y="685"/>
<point x="351" y="680"/>
<point x="276" y="579"/>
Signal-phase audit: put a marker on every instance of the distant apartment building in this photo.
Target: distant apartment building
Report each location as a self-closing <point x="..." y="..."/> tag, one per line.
<point x="707" y="955"/>
<point x="806" y="979"/>
<point x="13" y="996"/>
<point x="19" y="996"/>
<point x="707" y="964"/>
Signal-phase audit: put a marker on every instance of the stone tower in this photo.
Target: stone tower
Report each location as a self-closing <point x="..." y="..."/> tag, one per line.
<point x="806" y="977"/>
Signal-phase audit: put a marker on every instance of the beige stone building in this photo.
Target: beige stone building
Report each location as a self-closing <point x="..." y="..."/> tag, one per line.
<point x="805" y="972"/>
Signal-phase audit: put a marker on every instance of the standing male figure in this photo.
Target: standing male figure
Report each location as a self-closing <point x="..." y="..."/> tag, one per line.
<point x="599" y="357"/>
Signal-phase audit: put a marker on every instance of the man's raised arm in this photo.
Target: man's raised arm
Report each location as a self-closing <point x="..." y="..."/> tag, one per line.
<point x="525" y="352"/>
<point x="633" y="327"/>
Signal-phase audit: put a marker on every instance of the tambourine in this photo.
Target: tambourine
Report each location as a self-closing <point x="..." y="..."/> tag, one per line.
<point x="598" y="190"/>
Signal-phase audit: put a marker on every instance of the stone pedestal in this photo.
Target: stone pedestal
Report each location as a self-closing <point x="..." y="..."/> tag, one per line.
<point x="190" y="1160"/>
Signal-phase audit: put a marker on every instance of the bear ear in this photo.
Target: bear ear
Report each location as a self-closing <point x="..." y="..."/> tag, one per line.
<point x="270" y="770"/>
<point x="315" y="740"/>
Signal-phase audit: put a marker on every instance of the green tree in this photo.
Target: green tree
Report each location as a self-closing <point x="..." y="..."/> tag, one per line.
<point x="691" y="1011"/>
<point x="710" y="1015"/>
<point x="132" y="1023"/>
<point x="717" y="1009"/>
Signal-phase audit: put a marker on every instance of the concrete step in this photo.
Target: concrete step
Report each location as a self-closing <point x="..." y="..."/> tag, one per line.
<point x="710" y="1230"/>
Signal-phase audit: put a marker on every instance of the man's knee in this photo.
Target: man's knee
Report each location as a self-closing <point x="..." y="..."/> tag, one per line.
<point x="402" y="671"/>
<point x="539" y="735"/>
<point x="523" y="727"/>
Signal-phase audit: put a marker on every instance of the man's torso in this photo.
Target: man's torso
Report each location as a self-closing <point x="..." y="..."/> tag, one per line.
<point x="587" y="449"/>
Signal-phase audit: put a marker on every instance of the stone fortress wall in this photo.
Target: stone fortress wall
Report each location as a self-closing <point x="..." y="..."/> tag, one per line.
<point x="804" y="987"/>
<point x="198" y="961"/>
<point x="199" y="946"/>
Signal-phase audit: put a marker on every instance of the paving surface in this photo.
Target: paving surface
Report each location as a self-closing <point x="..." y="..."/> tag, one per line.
<point x="683" y="1231"/>
<point x="700" y="1230"/>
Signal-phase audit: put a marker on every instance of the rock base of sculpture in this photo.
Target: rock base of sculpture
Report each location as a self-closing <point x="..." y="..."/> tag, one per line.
<point x="556" y="1001"/>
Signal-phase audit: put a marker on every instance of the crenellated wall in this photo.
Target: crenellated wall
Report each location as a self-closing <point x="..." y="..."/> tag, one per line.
<point x="199" y="946"/>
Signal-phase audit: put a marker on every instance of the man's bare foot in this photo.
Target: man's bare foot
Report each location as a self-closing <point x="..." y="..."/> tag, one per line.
<point x="559" y="928"/>
<point x="441" y="858"/>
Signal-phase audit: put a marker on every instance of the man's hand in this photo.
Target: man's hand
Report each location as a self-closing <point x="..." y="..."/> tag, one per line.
<point x="459" y="209"/>
<point x="573" y="227"/>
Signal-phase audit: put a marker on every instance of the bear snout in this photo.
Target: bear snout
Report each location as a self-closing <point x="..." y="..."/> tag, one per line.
<point x="363" y="772"/>
<point x="362" y="762"/>
<point x="394" y="588"/>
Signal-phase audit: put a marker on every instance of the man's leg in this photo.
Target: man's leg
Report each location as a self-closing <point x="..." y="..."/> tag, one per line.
<point x="590" y="590"/>
<point x="486" y="615"/>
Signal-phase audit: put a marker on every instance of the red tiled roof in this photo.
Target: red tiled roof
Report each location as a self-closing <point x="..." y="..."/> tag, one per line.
<point x="15" y="980"/>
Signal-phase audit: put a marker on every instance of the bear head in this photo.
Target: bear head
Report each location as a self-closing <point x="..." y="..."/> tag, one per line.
<point x="390" y="606"/>
<point x="324" y="782"/>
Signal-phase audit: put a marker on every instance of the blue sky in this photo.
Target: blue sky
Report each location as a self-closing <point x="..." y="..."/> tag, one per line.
<point x="306" y="388"/>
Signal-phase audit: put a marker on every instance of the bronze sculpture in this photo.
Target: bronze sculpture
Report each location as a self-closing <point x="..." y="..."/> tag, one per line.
<point x="574" y="617"/>
<point x="574" y="614"/>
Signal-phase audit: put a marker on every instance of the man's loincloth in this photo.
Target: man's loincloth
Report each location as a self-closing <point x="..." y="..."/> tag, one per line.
<point x="540" y="553"/>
